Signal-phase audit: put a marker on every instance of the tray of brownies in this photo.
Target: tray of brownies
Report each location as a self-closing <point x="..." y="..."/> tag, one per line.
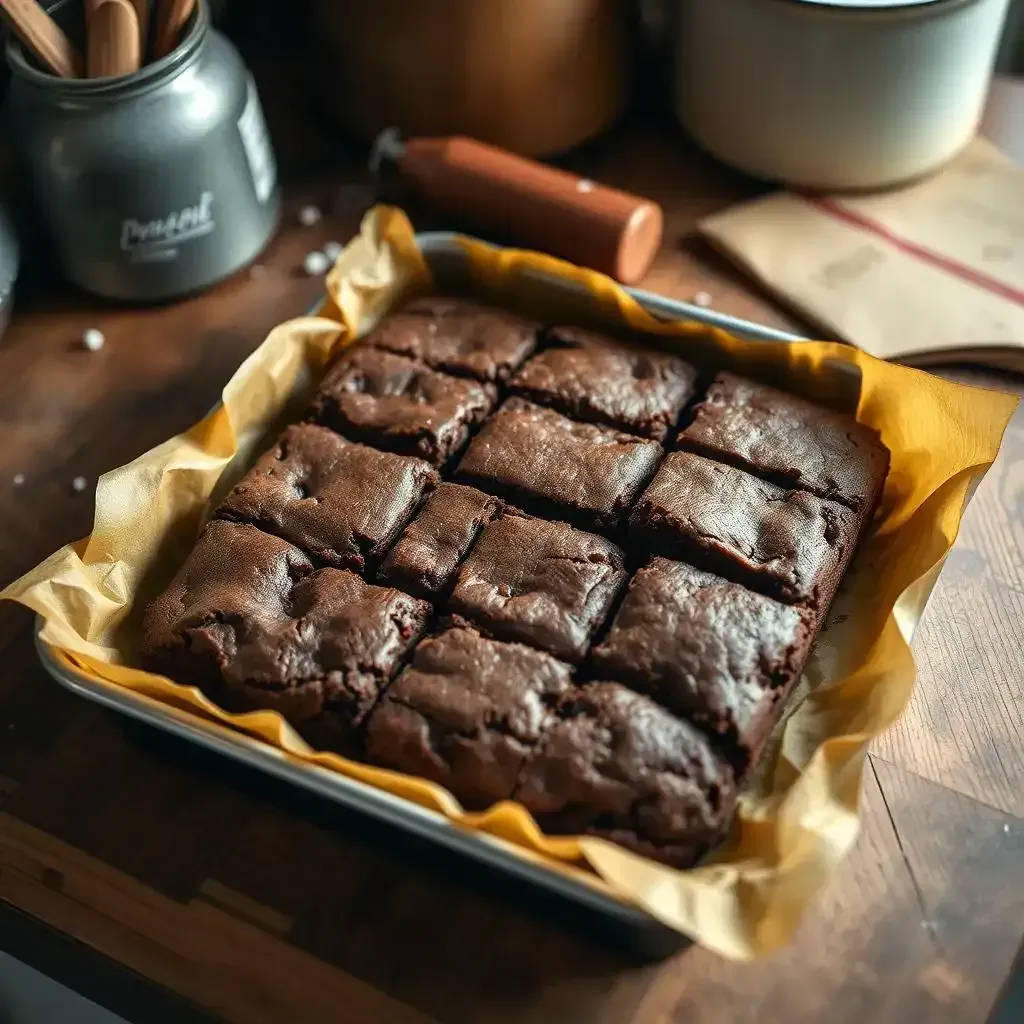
<point x="510" y="561"/>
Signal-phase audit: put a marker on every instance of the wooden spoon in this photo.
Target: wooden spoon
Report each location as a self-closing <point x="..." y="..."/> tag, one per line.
<point x="141" y="13"/>
<point x="114" y="46"/>
<point x="171" y="17"/>
<point x="43" y="37"/>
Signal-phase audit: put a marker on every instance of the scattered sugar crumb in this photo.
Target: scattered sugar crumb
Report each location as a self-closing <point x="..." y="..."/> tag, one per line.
<point x="79" y="484"/>
<point x="316" y="264"/>
<point x="19" y="479"/>
<point x="702" y="299"/>
<point x="310" y="216"/>
<point x="1006" y="828"/>
<point x="584" y="185"/>
<point x="93" y="339"/>
<point x="332" y="250"/>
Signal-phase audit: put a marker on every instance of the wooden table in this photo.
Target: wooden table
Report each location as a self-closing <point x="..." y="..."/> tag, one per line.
<point x="251" y="903"/>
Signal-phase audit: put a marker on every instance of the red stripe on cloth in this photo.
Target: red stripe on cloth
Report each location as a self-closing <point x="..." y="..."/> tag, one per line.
<point x="936" y="259"/>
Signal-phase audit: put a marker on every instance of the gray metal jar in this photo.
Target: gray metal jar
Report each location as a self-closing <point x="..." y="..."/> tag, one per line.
<point x="151" y="185"/>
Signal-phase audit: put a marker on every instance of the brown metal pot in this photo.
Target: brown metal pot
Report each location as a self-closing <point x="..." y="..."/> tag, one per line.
<point x="535" y="76"/>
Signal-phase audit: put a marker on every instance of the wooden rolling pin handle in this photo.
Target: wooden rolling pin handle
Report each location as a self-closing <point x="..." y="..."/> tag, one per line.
<point x="537" y="205"/>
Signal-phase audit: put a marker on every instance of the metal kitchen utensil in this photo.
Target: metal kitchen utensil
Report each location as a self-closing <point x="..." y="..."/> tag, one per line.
<point x="449" y="264"/>
<point x="151" y="185"/>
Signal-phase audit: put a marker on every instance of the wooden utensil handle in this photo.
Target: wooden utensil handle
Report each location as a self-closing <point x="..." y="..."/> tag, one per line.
<point x="537" y="205"/>
<point x="43" y="37"/>
<point x="113" y="40"/>
<point x="171" y="18"/>
<point x="142" y="16"/>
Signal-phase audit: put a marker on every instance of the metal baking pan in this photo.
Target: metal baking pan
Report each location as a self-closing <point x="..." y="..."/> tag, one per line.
<point x="449" y="264"/>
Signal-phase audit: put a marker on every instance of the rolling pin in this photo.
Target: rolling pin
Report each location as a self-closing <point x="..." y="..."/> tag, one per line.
<point x="539" y="206"/>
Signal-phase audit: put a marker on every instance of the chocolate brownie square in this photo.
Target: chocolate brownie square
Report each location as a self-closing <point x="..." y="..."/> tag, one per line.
<point x="458" y="337"/>
<point x="428" y="554"/>
<point x="250" y="619"/>
<point x="342" y="503"/>
<point x="400" y="405"/>
<point x="618" y="766"/>
<point x="591" y="377"/>
<point x="710" y="650"/>
<point x="789" y="441"/>
<point x="466" y="713"/>
<point x="539" y="582"/>
<point x="552" y="465"/>
<point x="790" y="545"/>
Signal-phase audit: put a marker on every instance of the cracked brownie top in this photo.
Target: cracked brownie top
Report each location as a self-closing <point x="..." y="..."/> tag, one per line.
<point x="788" y="440"/>
<point x="467" y="712"/>
<point x="400" y="405"/>
<point x="790" y="545"/>
<point x="707" y="649"/>
<point x="458" y="337"/>
<point x="552" y="465"/>
<point x="618" y="766"/>
<point x="539" y="582"/>
<point x="342" y="503"/>
<point x="592" y="377"/>
<point x="428" y="554"/>
<point x="249" y="613"/>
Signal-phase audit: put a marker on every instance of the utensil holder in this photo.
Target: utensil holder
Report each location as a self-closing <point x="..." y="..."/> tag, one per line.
<point x="151" y="185"/>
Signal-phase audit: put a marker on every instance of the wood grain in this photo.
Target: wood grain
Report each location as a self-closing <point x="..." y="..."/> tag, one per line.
<point x="256" y="903"/>
<point x="169" y="23"/>
<point x="901" y="938"/>
<point x="114" y="41"/>
<point x="225" y="959"/>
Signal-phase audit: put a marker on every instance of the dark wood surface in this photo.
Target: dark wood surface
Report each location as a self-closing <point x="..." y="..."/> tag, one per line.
<point x="255" y="904"/>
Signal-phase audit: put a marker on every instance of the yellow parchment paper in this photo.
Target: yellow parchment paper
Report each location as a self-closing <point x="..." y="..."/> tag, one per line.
<point x="800" y="816"/>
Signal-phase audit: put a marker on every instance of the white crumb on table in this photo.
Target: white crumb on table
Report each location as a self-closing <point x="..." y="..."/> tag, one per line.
<point x="310" y="216"/>
<point x="79" y="484"/>
<point x="19" y="479"/>
<point x="93" y="339"/>
<point x="702" y="299"/>
<point x="316" y="264"/>
<point x="332" y="250"/>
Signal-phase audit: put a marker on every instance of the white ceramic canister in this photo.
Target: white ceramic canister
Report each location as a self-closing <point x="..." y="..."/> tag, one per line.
<point x="834" y="94"/>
